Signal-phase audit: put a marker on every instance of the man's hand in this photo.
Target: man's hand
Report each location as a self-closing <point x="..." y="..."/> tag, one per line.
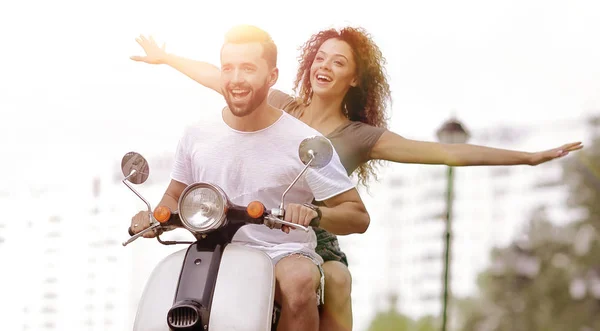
<point x="154" y="54"/>
<point x="545" y="156"/>
<point x="298" y="214"/>
<point x="141" y="221"/>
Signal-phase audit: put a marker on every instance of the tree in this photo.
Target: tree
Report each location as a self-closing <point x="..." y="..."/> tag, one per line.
<point x="427" y="323"/>
<point x="550" y="278"/>
<point x="391" y="320"/>
<point x="582" y="174"/>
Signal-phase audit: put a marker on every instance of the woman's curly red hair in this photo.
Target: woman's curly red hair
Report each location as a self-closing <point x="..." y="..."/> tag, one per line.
<point x="367" y="101"/>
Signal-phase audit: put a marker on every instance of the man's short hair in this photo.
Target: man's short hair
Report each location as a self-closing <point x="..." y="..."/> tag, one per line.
<point x="243" y="34"/>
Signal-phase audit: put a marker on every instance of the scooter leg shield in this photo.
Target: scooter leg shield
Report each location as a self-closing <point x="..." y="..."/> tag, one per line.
<point x="244" y="291"/>
<point x="159" y="293"/>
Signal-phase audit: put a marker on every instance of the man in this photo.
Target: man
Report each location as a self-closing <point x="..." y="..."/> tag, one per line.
<point x="251" y="152"/>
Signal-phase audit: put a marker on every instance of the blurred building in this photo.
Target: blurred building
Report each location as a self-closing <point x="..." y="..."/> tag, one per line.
<point x="492" y="204"/>
<point x="66" y="268"/>
<point x="71" y="270"/>
<point x="73" y="273"/>
<point x="52" y="251"/>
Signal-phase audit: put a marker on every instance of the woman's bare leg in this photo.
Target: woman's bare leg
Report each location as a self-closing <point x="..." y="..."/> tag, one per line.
<point x="337" y="310"/>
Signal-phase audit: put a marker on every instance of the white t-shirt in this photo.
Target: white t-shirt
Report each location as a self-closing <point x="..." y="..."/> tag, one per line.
<point x="259" y="165"/>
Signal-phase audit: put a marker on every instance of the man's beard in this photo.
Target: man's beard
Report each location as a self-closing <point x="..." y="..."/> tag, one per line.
<point x="258" y="96"/>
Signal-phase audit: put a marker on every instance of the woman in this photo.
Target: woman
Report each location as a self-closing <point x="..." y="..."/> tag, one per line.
<point x="342" y="92"/>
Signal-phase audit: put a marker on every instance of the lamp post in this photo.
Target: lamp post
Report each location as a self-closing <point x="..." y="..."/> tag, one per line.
<point x="451" y="132"/>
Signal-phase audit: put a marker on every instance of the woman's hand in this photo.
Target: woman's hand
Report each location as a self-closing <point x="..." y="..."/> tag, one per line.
<point x="551" y="154"/>
<point x="154" y="54"/>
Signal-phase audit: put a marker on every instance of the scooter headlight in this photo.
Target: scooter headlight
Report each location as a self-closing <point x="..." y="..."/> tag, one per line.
<point x="203" y="207"/>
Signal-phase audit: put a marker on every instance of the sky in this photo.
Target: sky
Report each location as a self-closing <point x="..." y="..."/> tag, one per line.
<point x="72" y="101"/>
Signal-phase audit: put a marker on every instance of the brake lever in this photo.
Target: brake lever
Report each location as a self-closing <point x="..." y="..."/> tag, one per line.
<point x="141" y="233"/>
<point x="274" y="222"/>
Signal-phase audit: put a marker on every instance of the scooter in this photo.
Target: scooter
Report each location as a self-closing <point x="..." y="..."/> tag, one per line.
<point x="213" y="284"/>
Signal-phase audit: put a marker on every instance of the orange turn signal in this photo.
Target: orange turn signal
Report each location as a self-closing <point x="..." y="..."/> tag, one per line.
<point x="255" y="209"/>
<point x="162" y="214"/>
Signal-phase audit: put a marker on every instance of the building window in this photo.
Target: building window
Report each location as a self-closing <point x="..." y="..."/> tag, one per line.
<point x="111" y="258"/>
<point x="500" y="171"/>
<point x="438" y="174"/>
<point x="111" y="242"/>
<point x="50" y="280"/>
<point x="54" y="234"/>
<point x="500" y="192"/>
<point x="430" y="297"/>
<point x="48" y="310"/>
<point x="430" y="276"/>
<point x="428" y="257"/>
<point x="396" y="202"/>
<point x="96" y="244"/>
<point x="548" y="183"/>
<point x="434" y="195"/>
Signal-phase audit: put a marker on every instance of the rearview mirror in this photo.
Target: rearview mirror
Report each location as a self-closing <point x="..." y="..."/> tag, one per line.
<point x="135" y="167"/>
<point x="317" y="148"/>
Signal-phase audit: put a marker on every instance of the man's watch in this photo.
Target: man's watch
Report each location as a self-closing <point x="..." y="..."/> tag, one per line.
<point x="315" y="222"/>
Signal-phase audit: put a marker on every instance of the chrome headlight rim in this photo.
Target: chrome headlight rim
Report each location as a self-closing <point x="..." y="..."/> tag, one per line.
<point x="211" y="226"/>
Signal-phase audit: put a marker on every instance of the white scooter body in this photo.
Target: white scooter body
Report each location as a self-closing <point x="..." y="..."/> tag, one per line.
<point x="213" y="285"/>
<point x="243" y="295"/>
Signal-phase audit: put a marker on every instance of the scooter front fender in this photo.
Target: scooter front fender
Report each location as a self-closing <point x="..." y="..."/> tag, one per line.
<point x="158" y="294"/>
<point x="244" y="291"/>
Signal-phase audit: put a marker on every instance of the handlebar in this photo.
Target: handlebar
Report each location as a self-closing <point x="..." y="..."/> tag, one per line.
<point x="173" y="221"/>
<point x="237" y="213"/>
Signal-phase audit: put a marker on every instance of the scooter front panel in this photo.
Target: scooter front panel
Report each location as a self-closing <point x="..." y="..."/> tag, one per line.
<point x="159" y="293"/>
<point x="244" y="291"/>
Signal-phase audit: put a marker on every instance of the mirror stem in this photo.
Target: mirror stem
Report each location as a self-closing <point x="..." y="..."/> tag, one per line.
<point x="133" y="172"/>
<point x="312" y="158"/>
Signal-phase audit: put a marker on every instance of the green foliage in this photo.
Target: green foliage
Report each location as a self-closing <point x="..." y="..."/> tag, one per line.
<point x="510" y="299"/>
<point x="393" y="321"/>
<point x="390" y="321"/>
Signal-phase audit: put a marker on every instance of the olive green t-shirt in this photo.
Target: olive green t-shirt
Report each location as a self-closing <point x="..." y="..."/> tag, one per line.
<point x="352" y="141"/>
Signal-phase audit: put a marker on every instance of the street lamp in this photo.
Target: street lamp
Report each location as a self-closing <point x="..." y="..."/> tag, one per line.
<point x="451" y="132"/>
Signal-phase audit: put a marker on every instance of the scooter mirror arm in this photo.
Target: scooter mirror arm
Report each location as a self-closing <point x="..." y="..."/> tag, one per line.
<point x="312" y="158"/>
<point x="126" y="182"/>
